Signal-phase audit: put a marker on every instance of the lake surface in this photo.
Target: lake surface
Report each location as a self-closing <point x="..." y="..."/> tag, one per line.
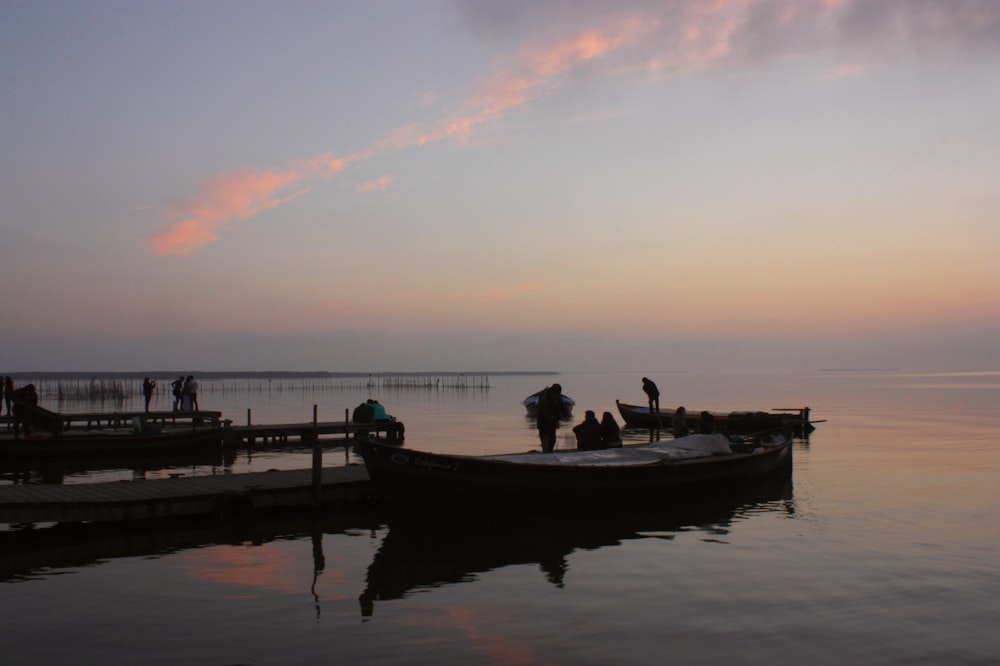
<point x="882" y="549"/>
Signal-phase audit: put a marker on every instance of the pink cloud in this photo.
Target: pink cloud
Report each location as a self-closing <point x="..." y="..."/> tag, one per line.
<point x="232" y="197"/>
<point x="380" y="185"/>
<point x="847" y="71"/>
<point x="530" y="74"/>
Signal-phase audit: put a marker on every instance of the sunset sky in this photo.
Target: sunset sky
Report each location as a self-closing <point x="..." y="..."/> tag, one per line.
<point x="420" y="185"/>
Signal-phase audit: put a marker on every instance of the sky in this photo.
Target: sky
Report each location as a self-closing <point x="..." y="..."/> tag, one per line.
<point x="459" y="185"/>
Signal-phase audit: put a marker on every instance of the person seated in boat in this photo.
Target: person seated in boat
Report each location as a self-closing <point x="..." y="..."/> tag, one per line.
<point x="706" y="423"/>
<point x="588" y="433"/>
<point x="611" y="434"/>
<point x="678" y="423"/>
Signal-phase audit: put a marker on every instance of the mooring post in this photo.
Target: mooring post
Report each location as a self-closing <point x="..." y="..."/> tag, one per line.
<point x="347" y="437"/>
<point x="317" y="468"/>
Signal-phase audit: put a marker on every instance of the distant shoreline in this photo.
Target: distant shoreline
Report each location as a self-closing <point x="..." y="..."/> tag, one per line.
<point x="264" y="374"/>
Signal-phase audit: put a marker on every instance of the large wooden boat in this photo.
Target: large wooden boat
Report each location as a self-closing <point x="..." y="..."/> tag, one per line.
<point x="686" y="464"/>
<point x="795" y="419"/>
<point x="37" y="433"/>
<point x="104" y="443"/>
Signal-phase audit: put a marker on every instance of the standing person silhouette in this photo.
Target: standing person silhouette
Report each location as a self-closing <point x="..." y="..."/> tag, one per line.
<point x="653" y="394"/>
<point x="189" y="395"/>
<point x="178" y="388"/>
<point x="8" y="392"/>
<point x="550" y="405"/>
<point x="148" y="386"/>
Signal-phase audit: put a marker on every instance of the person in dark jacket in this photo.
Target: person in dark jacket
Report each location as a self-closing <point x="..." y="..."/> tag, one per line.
<point x="148" y="386"/>
<point x="611" y="434"/>
<point x="588" y="433"/>
<point x="550" y="406"/>
<point x="679" y="423"/>
<point x="653" y="394"/>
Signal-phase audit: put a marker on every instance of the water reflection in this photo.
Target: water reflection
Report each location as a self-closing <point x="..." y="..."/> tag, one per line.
<point x="31" y="552"/>
<point x="433" y="551"/>
<point x="137" y="466"/>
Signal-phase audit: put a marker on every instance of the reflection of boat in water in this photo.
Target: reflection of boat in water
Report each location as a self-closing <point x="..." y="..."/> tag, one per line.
<point x="531" y="405"/>
<point x="428" y="552"/>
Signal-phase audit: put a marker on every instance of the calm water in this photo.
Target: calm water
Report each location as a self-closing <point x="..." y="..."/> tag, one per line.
<point x="882" y="549"/>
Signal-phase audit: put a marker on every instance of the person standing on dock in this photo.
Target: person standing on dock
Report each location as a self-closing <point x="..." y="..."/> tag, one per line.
<point x="189" y="394"/>
<point x="148" y="386"/>
<point x="8" y="392"/>
<point x="178" y="388"/>
<point x="550" y="406"/>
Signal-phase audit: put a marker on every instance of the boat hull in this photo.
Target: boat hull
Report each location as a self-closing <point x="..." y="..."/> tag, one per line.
<point x="84" y="444"/>
<point x="404" y="474"/>
<point x="531" y="406"/>
<point x="736" y="423"/>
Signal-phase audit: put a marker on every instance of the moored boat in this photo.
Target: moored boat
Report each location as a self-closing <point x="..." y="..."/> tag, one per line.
<point x="107" y="442"/>
<point x="40" y="434"/>
<point x="735" y="423"/>
<point x="531" y="405"/>
<point x="686" y="464"/>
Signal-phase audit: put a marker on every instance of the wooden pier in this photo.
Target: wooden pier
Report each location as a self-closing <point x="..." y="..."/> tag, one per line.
<point x="122" y="420"/>
<point x="247" y="436"/>
<point x="226" y="496"/>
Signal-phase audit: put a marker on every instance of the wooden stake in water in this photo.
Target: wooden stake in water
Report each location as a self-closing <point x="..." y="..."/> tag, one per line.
<point x="317" y="462"/>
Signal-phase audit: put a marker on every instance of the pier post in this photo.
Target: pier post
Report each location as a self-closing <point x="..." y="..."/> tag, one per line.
<point x="317" y="462"/>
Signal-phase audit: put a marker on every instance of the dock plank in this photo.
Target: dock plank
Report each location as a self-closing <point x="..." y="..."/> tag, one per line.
<point x="159" y="498"/>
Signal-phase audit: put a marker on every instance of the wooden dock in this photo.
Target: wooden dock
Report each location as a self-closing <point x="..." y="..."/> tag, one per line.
<point x="245" y="436"/>
<point x="123" y="420"/>
<point x="226" y="496"/>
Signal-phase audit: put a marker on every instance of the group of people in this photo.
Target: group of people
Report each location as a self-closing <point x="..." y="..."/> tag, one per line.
<point x="185" y="392"/>
<point x="592" y="434"/>
<point x="19" y="403"/>
<point x="372" y="411"/>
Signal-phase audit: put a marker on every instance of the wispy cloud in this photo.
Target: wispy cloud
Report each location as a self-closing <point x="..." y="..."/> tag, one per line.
<point x="531" y="73"/>
<point x="847" y="71"/>
<point x="232" y="197"/>
<point x="380" y="185"/>
<point x="658" y="38"/>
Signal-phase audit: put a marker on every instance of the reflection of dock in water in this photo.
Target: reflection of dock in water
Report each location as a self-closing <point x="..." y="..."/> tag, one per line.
<point x="420" y="553"/>
<point x="26" y="553"/>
